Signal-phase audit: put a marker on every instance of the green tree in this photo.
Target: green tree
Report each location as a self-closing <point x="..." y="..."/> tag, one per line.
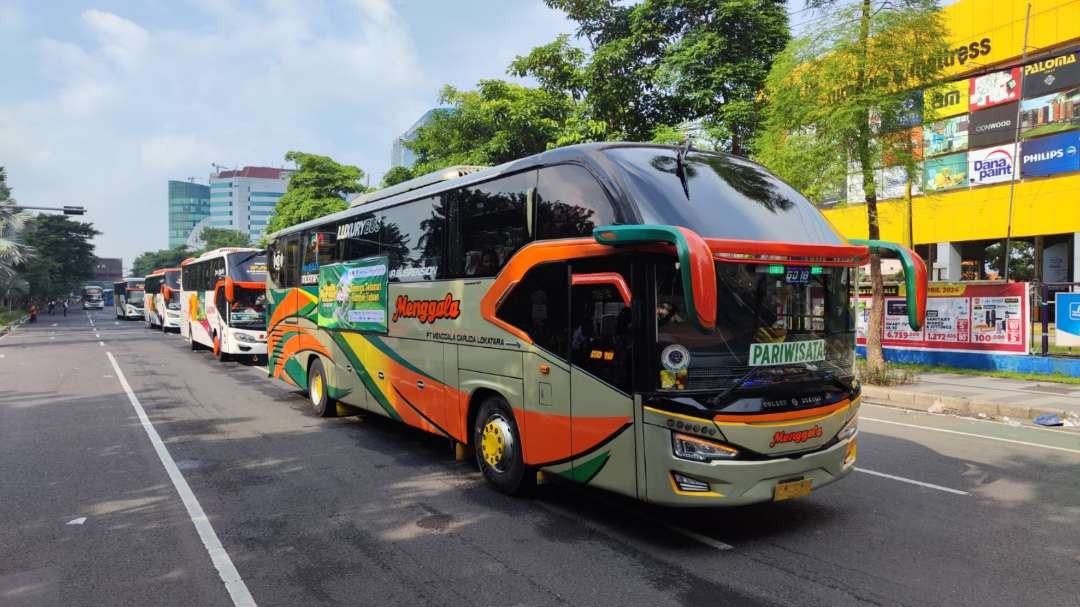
<point x="317" y="188"/>
<point x="215" y="238"/>
<point x="63" y="255"/>
<point x="495" y="123"/>
<point x="662" y="63"/>
<point x="396" y="175"/>
<point x="834" y="96"/>
<point x="165" y="258"/>
<point x="12" y="249"/>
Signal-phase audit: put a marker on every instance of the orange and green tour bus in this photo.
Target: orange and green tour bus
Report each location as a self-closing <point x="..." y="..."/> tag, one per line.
<point x="162" y="288"/>
<point x="669" y="324"/>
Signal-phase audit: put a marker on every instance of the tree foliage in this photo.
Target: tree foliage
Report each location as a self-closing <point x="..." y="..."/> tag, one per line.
<point x="12" y="249"/>
<point x="497" y="122"/>
<point x="317" y="188"/>
<point x="165" y="258"/>
<point x="662" y="63"/>
<point x="63" y="255"/>
<point x="836" y="99"/>
<point x="396" y="175"/>
<point x="215" y="238"/>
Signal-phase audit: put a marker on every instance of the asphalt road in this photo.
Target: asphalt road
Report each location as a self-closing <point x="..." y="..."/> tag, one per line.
<point x="362" y="511"/>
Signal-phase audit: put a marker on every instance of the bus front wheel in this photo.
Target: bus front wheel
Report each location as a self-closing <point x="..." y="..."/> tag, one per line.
<point x="497" y="444"/>
<point x="318" y="391"/>
<point x="219" y="354"/>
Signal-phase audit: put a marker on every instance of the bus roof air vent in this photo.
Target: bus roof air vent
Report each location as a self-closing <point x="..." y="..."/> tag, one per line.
<point x="416" y="183"/>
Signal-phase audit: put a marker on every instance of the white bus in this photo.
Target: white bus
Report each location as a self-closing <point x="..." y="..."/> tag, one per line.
<point x="128" y="297"/>
<point x="93" y="298"/>
<point x="162" y="288"/>
<point x="223" y="302"/>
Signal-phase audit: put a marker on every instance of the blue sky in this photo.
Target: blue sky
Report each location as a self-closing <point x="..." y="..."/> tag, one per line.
<point x="104" y="102"/>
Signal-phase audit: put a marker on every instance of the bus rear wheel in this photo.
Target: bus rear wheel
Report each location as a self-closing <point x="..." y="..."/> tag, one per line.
<point x="195" y="346"/>
<point x="318" y="391"/>
<point x="498" y="448"/>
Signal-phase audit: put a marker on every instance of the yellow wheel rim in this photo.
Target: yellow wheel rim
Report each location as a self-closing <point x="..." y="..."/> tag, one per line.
<point x="316" y="389"/>
<point x="492" y="444"/>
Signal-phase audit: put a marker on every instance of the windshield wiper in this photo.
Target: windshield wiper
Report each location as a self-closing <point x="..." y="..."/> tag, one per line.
<point x="680" y="166"/>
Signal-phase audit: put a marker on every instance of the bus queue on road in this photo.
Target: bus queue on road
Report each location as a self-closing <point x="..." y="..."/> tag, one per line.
<point x="666" y="323"/>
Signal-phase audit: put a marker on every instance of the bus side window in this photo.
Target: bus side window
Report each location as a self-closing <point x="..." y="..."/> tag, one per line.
<point x="413" y="237"/>
<point x="361" y="243"/>
<point x="570" y="203"/>
<point x="290" y="271"/>
<point x="601" y="321"/>
<point x="491" y="224"/>
<point x="538" y="306"/>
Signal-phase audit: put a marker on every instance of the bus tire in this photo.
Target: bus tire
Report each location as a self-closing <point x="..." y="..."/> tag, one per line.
<point x="318" y="393"/>
<point x="195" y="346"/>
<point x="498" y="448"/>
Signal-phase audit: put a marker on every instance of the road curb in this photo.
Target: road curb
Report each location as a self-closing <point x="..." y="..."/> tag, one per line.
<point x="14" y="325"/>
<point x="921" y="401"/>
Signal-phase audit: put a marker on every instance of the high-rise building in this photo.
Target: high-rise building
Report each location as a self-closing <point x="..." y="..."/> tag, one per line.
<point x="244" y="199"/>
<point x="189" y="204"/>
<point x="401" y="156"/>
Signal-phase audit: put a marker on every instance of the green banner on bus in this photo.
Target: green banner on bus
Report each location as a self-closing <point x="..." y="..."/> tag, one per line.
<point x="353" y="295"/>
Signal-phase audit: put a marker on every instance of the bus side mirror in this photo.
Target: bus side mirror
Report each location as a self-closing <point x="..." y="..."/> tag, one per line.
<point x="230" y="290"/>
<point x="696" y="267"/>
<point x="914" y="276"/>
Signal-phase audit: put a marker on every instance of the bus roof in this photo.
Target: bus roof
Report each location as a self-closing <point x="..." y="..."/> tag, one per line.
<point x="162" y="271"/>
<point x="644" y="185"/>
<point x="220" y="253"/>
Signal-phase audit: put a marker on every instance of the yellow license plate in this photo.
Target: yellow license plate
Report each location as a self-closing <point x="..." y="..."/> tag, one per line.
<point x="790" y="489"/>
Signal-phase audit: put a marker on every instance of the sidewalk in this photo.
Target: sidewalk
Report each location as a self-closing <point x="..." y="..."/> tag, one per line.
<point x="972" y="395"/>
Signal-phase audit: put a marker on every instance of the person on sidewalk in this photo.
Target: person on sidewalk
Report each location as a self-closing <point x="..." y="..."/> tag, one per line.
<point x="65" y="307"/>
<point x="33" y="313"/>
<point x="52" y="304"/>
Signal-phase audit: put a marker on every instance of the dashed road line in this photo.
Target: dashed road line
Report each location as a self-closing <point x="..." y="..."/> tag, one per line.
<point x="911" y="481"/>
<point x="971" y="434"/>
<point x="234" y="584"/>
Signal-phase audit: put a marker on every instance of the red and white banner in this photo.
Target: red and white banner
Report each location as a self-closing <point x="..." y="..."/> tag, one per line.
<point x="959" y="317"/>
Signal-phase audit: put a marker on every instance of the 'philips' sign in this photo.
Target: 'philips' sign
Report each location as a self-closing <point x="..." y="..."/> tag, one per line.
<point x="1049" y="155"/>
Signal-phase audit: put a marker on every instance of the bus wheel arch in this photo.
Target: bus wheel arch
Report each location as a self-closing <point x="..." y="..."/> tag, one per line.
<point x="496" y="440"/>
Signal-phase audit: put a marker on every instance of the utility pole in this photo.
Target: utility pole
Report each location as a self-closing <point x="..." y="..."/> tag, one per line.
<point x="1007" y="253"/>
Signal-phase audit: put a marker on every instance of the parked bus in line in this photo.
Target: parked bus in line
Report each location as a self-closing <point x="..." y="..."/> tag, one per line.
<point x="93" y="298"/>
<point x="669" y="324"/>
<point x="162" y="288"/>
<point x="128" y="298"/>
<point x="222" y="302"/>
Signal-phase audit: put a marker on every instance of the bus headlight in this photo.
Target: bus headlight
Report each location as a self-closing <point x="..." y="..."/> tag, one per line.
<point x="245" y="338"/>
<point x="849" y="429"/>
<point x="695" y="449"/>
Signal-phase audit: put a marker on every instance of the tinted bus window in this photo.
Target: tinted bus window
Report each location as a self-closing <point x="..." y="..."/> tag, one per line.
<point x="570" y="203"/>
<point x="413" y="236"/>
<point x="357" y="238"/>
<point x="724" y="197"/>
<point x="539" y="304"/>
<point x="491" y="224"/>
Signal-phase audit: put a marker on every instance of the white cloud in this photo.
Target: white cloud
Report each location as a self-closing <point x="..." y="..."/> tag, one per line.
<point x="123" y="41"/>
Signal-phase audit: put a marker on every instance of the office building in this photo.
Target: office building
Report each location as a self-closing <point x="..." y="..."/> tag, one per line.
<point x="244" y="199"/>
<point x="401" y="156"/>
<point x="189" y="207"/>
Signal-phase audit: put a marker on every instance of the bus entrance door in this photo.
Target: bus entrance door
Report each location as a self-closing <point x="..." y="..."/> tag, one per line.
<point x="601" y="376"/>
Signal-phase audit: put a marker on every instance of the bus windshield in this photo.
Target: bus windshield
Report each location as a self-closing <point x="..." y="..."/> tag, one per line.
<point x="775" y="324"/>
<point x="248" y="267"/>
<point x="248" y="309"/>
<point x="134" y="297"/>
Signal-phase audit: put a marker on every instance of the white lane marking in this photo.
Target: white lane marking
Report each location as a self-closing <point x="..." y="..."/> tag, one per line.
<point x="76" y="521"/>
<point x="694" y="535"/>
<point x="101" y="343"/>
<point x="235" y="585"/>
<point x="972" y="434"/>
<point x="911" y="481"/>
<point x="54" y="324"/>
<point x="973" y="419"/>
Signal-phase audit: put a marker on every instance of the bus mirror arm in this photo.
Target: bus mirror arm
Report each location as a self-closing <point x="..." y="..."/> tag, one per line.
<point x="696" y="266"/>
<point x="915" y="276"/>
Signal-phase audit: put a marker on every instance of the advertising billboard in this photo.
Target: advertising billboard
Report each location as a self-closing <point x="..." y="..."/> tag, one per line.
<point x="993" y="126"/>
<point x="1049" y="155"/>
<point x="946" y="100"/>
<point x="353" y="295"/>
<point x="1049" y="75"/>
<point x="992" y="165"/>
<point x="959" y="317"/>
<point x="1051" y="113"/>
<point x="1067" y="319"/>
<point x="945" y="136"/>
<point x="894" y="181"/>
<point x="994" y="88"/>
<point x="945" y="172"/>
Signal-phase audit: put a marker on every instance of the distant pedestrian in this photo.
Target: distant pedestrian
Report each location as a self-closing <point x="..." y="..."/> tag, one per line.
<point x="65" y="307"/>
<point x="33" y="313"/>
<point x="52" y="304"/>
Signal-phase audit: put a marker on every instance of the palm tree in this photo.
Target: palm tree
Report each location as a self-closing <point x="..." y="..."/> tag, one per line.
<point x="12" y="250"/>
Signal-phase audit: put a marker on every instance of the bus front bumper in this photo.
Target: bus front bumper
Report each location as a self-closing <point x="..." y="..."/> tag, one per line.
<point x="735" y="482"/>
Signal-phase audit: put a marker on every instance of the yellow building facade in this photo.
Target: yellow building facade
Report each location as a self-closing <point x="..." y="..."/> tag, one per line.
<point x="972" y="158"/>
